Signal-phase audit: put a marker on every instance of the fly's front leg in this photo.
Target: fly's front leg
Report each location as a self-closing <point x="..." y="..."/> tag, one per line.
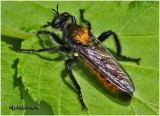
<point x="57" y="40"/>
<point x="46" y="25"/>
<point x="105" y="35"/>
<point x="53" y="35"/>
<point x="60" y="48"/>
<point x="69" y="63"/>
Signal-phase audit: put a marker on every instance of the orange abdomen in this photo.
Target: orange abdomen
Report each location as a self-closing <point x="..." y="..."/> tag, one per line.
<point x="107" y="83"/>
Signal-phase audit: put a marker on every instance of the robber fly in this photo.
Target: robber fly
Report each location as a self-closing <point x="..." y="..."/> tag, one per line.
<point x="79" y="39"/>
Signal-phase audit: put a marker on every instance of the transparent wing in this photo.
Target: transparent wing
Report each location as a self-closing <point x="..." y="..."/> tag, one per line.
<point x="107" y="66"/>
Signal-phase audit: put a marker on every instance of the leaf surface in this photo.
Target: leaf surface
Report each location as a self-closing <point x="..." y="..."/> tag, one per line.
<point x="45" y="76"/>
<point x="10" y="94"/>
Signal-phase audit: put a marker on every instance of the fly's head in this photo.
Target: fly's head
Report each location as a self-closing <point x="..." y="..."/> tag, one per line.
<point x="59" y="19"/>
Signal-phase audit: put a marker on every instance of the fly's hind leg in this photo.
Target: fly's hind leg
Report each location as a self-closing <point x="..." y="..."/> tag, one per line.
<point x="69" y="63"/>
<point x="106" y="35"/>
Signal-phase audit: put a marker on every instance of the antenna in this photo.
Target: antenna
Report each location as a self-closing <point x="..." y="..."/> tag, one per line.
<point x="56" y="10"/>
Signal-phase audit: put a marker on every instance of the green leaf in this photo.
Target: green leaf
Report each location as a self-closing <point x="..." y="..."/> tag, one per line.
<point x="11" y="96"/>
<point x="44" y="74"/>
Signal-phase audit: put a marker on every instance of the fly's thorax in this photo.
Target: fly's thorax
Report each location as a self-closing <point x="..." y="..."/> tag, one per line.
<point x="77" y="34"/>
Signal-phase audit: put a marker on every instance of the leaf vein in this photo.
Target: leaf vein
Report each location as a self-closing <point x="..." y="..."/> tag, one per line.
<point x="127" y="24"/>
<point x="145" y="104"/>
<point x="59" y="94"/>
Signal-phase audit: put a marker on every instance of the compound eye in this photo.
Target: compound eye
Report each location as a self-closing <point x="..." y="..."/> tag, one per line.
<point x="56" y="21"/>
